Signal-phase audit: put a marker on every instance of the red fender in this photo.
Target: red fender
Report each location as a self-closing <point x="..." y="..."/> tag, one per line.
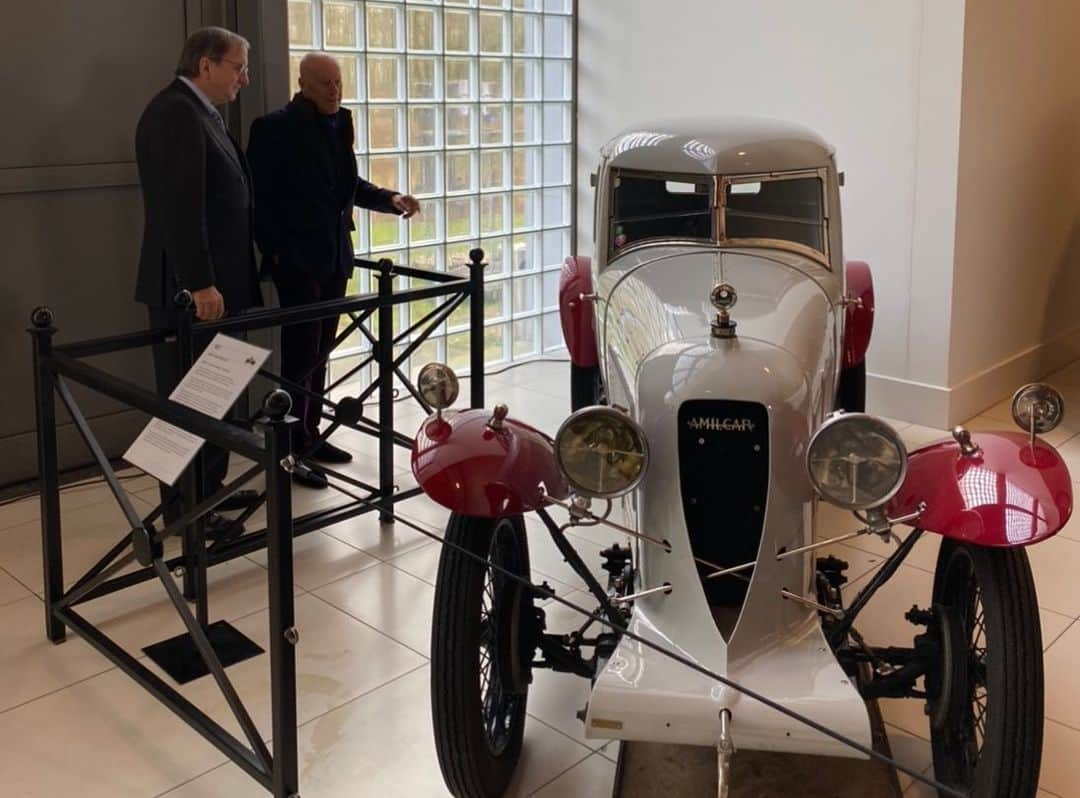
<point x="577" y="316"/>
<point x="1008" y="494"/>
<point x="470" y="468"/>
<point x="859" y="317"/>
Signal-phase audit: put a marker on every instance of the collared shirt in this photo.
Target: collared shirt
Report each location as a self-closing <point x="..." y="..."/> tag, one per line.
<point x="205" y="100"/>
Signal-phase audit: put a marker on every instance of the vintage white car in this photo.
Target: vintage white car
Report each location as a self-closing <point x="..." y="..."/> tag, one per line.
<point x="717" y="340"/>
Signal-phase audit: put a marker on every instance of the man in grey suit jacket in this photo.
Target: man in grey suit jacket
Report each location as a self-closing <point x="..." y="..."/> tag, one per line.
<point x="197" y="197"/>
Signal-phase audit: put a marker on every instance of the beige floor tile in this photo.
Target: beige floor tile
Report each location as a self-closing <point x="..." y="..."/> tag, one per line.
<point x="382" y="745"/>
<point x="337" y="659"/>
<point x="916" y="436"/>
<point x="911" y="751"/>
<point x="11" y="589"/>
<point x="593" y="778"/>
<point x="141" y="615"/>
<point x="1060" y="764"/>
<point x="423" y="562"/>
<point x="390" y="600"/>
<point x="87" y="533"/>
<point x="1062" y="663"/>
<point x="319" y="559"/>
<point x="384" y="541"/>
<point x="75" y="497"/>
<point x="1070" y="453"/>
<point x="31" y="666"/>
<point x="426" y="511"/>
<point x="1053" y="625"/>
<point x="102" y="738"/>
<point x="1055" y="563"/>
<point x="1071" y="530"/>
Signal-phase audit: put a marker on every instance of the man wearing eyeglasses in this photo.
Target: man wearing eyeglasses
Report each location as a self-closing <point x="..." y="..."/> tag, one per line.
<point x="306" y="184"/>
<point x="197" y="197"/>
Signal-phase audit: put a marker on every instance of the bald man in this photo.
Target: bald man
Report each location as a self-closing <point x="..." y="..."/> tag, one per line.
<point x="306" y="185"/>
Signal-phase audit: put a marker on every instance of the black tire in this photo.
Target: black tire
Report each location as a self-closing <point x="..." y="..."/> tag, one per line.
<point x="479" y="722"/>
<point x="851" y="391"/>
<point x="987" y="717"/>
<point x="586" y="387"/>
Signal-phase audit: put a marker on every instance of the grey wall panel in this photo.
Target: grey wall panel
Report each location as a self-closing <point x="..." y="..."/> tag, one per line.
<point x="93" y="66"/>
<point x="74" y="251"/>
<point x="113" y="432"/>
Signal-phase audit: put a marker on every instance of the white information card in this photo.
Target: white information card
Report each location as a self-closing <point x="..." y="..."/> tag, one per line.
<point x="212" y="386"/>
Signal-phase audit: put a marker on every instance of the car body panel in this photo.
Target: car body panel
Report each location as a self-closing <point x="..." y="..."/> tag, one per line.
<point x="859" y="321"/>
<point x="1009" y="493"/>
<point x="577" y="314"/>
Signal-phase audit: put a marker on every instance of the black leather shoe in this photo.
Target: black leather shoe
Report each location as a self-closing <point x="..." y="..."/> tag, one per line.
<point x="240" y="500"/>
<point x="328" y="453"/>
<point x="219" y="528"/>
<point x="302" y="475"/>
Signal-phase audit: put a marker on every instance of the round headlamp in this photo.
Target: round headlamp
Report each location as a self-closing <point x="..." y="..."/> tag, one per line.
<point x="438" y="384"/>
<point x="601" y="452"/>
<point x="856" y="461"/>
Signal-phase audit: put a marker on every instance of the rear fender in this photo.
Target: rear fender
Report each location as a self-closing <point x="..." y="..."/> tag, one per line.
<point x="576" y="314"/>
<point x="859" y="315"/>
<point x="465" y="465"/>
<point x="1010" y="493"/>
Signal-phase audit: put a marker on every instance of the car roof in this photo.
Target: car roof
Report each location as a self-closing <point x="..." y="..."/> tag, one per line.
<point x="725" y="145"/>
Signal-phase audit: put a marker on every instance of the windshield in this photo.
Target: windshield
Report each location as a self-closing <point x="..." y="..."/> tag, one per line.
<point x="789" y="210"/>
<point x="661" y="206"/>
<point x="648" y="206"/>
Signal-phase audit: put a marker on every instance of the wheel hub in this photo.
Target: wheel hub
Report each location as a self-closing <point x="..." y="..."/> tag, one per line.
<point x="514" y="639"/>
<point x="947" y="686"/>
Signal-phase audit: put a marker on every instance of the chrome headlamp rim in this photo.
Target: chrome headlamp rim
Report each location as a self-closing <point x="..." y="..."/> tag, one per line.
<point x="620" y="417"/>
<point x="842" y="416"/>
<point x="424" y="384"/>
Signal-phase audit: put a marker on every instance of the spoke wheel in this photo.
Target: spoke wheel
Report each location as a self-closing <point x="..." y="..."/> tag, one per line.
<point x="986" y="696"/>
<point x="480" y="655"/>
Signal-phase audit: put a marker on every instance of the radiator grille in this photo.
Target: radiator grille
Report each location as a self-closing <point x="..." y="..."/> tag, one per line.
<point x="724" y="479"/>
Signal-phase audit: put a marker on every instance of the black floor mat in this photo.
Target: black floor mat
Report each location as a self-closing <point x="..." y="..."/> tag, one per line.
<point x="179" y="657"/>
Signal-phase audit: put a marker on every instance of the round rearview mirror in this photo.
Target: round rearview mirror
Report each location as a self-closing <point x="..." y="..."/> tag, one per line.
<point x="856" y="461"/>
<point x="601" y="452"/>
<point x="438" y="384"/>
<point x="1038" y="408"/>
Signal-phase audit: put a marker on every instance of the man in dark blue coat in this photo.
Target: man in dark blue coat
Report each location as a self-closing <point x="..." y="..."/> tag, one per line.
<point x="306" y="185"/>
<point x="198" y="208"/>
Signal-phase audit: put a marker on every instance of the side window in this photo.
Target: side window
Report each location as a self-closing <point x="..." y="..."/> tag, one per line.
<point x="789" y="210"/>
<point x="661" y="206"/>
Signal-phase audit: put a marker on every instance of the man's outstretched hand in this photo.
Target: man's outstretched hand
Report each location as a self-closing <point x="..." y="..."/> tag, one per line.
<point x="209" y="304"/>
<point x="407" y="204"/>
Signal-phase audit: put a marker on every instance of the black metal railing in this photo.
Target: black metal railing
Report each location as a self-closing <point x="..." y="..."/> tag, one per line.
<point x="269" y="448"/>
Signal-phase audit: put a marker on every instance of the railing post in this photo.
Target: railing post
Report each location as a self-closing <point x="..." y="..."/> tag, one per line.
<point x="283" y="634"/>
<point x="42" y="331"/>
<point x="384" y="357"/>
<point x="476" y="327"/>
<point x="193" y="540"/>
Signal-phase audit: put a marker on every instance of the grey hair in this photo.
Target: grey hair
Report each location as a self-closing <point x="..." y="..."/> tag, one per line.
<point x="213" y="43"/>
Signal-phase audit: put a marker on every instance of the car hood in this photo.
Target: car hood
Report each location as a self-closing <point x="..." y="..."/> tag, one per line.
<point x="660" y="295"/>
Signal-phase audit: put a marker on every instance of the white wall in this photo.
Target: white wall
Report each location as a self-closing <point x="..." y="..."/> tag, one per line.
<point x="880" y="80"/>
<point x="1016" y="299"/>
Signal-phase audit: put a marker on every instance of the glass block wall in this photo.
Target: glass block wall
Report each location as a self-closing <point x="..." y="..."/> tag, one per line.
<point x="466" y="104"/>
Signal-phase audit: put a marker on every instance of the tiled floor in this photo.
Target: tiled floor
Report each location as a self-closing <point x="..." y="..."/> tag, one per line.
<point x="71" y="724"/>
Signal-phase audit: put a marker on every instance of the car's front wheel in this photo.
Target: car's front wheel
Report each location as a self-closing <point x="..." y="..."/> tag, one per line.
<point x="986" y="695"/>
<point x="481" y="654"/>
